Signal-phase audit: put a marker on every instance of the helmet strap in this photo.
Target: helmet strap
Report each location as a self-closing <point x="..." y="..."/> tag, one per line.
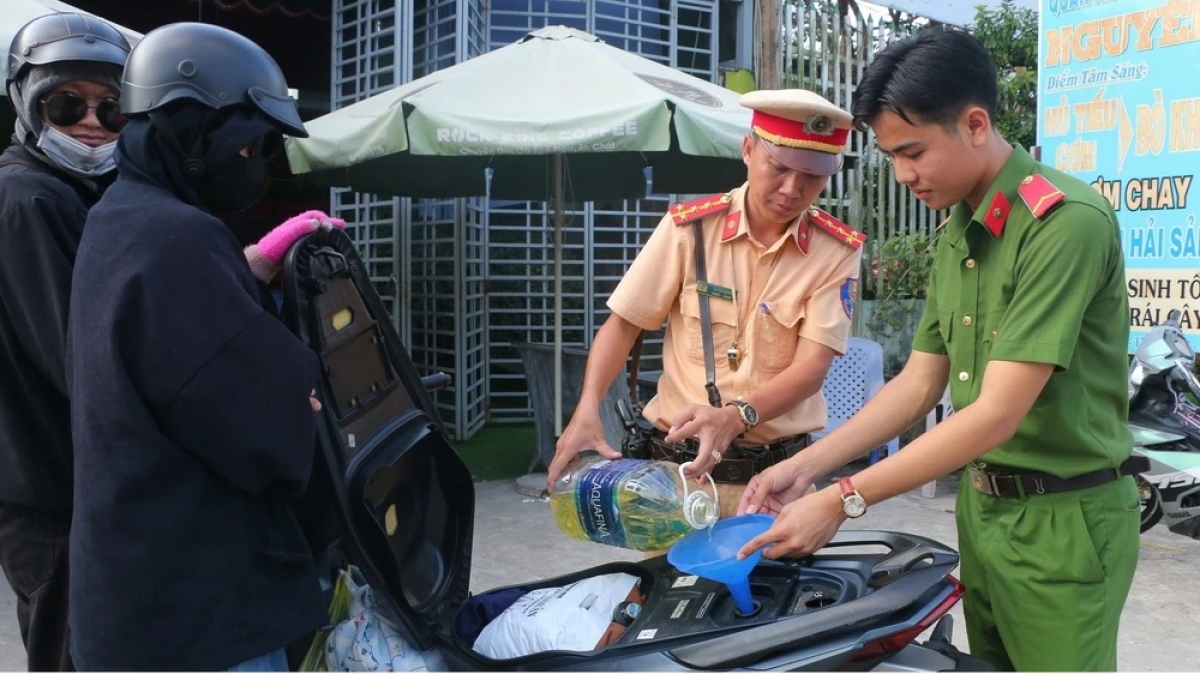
<point x="193" y="162"/>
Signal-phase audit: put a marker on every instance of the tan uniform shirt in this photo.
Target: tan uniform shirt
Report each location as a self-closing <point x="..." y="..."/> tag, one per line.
<point x="800" y="287"/>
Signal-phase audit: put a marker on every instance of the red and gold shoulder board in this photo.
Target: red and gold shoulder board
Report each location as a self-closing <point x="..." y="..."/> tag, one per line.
<point x="838" y="229"/>
<point x="1039" y="194"/>
<point x="687" y="211"/>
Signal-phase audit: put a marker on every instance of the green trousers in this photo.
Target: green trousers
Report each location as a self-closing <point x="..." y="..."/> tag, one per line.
<point x="1047" y="575"/>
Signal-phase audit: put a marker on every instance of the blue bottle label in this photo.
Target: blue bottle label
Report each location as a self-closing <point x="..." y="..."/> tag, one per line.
<point x="596" y="501"/>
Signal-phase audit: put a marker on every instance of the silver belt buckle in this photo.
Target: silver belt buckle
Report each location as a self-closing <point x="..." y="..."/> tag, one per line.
<point x="983" y="481"/>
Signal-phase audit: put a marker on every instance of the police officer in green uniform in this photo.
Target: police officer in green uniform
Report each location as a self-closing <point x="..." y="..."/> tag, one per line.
<point x="1027" y="319"/>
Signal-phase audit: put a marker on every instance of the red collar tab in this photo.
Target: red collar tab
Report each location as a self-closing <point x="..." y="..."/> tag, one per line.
<point x="733" y="223"/>
<point x="687" y="211"/>
<point x="997" y="214"/>
<point x="1039" y="194"/>
<point x="803" y="235"/>
<point x="819" y="134"/>
<point x="838" y="229"/>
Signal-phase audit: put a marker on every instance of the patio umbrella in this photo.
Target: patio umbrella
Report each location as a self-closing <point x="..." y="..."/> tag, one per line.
<point x="557" y="102"/>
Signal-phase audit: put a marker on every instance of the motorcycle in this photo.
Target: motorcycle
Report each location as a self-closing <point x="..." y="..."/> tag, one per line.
<point x="405" y="506"/>
<point x="1165" y="422"/>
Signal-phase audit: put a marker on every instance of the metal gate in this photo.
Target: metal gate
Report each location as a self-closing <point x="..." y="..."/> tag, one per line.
<point x="465" y="278"/>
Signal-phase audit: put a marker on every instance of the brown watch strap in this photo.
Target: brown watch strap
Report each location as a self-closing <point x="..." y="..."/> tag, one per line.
<point x="847" y="487"/>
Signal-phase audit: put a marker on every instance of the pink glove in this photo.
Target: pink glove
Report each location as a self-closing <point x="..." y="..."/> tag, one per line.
<point x="274" y="246"/>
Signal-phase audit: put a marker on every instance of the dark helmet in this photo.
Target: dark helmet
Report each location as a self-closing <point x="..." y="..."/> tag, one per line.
<point x="66" y="36"/>
<point x="213" y="66"/>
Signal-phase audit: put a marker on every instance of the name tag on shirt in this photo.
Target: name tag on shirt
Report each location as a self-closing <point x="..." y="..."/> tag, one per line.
<point x="716" y="291"/>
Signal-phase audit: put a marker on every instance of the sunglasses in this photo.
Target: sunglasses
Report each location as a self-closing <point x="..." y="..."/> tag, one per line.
<point x="67" y="109"/>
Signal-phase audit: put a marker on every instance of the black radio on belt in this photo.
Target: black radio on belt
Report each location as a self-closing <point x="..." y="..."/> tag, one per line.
<point x="636" y="443"/>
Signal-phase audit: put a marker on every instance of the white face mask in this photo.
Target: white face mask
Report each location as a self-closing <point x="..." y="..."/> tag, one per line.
<point x="77" y="156"/>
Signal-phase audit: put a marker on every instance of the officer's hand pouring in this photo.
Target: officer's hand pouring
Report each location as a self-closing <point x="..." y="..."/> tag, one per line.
<point x="583" y="433"/>
<point x="715" y="429"/>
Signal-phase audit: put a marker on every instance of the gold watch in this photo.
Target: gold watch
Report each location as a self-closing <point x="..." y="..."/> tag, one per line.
<point x="853" y="504"/>
<point x="746" y="411"/>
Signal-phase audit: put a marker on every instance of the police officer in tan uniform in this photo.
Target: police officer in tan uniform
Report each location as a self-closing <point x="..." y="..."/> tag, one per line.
<point x="779" y="283"/>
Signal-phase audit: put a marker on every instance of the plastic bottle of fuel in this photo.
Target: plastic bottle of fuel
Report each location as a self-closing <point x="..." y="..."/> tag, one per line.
<point x="631" y="503"/>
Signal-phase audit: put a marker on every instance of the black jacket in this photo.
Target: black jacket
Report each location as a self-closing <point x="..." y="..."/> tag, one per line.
<point x="192" y="430"/>
<point x="42" y="212"/>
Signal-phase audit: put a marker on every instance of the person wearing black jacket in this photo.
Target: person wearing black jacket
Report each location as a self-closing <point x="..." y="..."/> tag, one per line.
<point x="192" y="409"/>
<point x="63" y="80"/>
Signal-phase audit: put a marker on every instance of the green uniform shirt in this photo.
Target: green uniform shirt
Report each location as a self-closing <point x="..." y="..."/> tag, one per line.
<point x="1007" y="285"/>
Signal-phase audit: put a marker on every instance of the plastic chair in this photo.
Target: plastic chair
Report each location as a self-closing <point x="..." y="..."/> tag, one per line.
<point x="538" y="361"/>
<point x="852" y="380"/>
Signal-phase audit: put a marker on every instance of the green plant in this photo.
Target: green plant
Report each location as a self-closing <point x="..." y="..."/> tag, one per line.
<point x="1011" y="34"/>
<point x="901" y="271"/>
<point x="898" y="281"/>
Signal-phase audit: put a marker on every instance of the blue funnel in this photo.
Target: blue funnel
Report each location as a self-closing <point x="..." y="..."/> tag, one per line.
<point x="712" y="554"/>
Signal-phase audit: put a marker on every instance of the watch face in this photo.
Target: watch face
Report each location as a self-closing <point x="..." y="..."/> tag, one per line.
<point x="750" y="414"/>
<point x="854" y="506"/>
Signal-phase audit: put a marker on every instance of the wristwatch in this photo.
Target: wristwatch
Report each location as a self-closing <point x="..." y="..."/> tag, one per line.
<point x="746" y="411"/>
<point x="853" y="504"/>
<point x="626" y="612"/>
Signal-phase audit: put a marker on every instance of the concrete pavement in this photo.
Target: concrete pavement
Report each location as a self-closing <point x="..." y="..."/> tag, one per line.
<point x="516" y="540"/>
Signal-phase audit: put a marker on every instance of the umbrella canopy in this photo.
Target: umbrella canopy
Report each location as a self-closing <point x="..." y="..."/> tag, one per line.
<point x="556" y="103"/>
<point x="557" y="91"/>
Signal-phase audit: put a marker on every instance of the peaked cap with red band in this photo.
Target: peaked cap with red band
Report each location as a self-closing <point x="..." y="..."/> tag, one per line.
<point x="802" y="130"/>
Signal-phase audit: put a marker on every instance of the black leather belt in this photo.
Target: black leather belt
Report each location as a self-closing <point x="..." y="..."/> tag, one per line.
<point x="738" y="464"/>
<point x="994" y="482"/>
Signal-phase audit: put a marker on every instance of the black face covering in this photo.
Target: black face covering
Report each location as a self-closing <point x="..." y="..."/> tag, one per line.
<point x="226" y="181"/>
<point x="237" y="183"/>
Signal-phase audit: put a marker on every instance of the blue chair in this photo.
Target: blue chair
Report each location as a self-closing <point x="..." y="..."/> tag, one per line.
<point x="852" y="380"/>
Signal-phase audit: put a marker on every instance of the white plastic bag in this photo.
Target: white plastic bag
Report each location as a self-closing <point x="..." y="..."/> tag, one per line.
<point x="368" y="641"/>
<point x="569" y="618"/>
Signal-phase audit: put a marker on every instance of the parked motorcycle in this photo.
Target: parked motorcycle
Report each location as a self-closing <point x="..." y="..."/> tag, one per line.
<point x="1165" y="420"/>
<point x="405" y="503"/>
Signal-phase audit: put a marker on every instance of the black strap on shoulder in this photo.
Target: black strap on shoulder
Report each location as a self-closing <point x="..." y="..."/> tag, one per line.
<point x="710" y="367"/>
<point x="635" y="363"/>
<point x="193" y="159"/>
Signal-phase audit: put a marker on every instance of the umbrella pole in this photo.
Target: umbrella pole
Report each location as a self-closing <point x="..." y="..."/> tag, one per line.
<point x="559" y="190"/>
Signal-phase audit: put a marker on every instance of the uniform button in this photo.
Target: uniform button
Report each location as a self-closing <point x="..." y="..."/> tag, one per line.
<point x="970" y="263"/>
<point x="763" y="261"/>
<point x="963" y="376"/>
<point x="967" y="320"/>
<point x="1026" y="180"/>
<point x="996" y="213"/>
<point x="993" y="334"/>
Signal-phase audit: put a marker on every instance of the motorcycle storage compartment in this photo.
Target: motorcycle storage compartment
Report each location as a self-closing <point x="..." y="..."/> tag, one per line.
<point x="405" y="504"/>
